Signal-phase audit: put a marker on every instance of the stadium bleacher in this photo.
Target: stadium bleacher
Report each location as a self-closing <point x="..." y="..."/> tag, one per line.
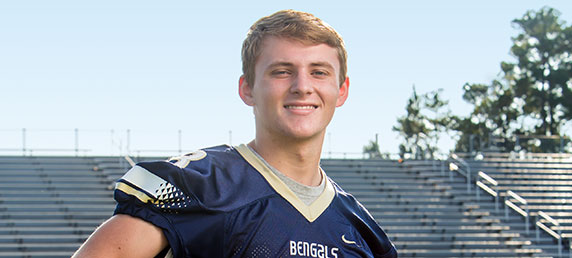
<point x="544" y="183"/>
<point x="427" y="211"/>
<point x="50" y="205"/>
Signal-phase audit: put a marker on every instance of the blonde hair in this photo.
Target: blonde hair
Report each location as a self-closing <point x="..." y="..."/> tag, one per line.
<point x="290" y="24"/>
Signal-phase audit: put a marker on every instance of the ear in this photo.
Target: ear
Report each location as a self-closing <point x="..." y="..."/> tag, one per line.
<point x="245" y="91"/>
<point x="343" y="92"/>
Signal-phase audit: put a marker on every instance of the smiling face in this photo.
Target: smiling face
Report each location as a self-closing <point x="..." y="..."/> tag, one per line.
<point x="296" y="89"/>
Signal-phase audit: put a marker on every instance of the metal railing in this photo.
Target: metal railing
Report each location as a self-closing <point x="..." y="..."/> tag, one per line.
<point x="490" y="185"/>
<point x="485" y="186"/>
<point x="515" y="201"/>
<point x="542" y="216"/>
<point x="563" y="143"/>
<point x="461" y="166"/>
<point x="562" y="140"/>
<point x="509" y="204"/>
<point x="101" y="142"/>
<point x="129" y="160"/>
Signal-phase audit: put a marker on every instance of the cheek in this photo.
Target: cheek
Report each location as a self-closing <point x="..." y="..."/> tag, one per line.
<point x="265" y="101"/>
<point x="332" y="94"/>
<point x="271" y="95"/>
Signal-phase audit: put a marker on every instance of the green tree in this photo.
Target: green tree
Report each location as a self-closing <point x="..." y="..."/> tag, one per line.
<point x="534" y="94"/>
<point x="494" y="115"/>
<point x="542" y="75"/>
<point x="427" y="117"/>
<point x="372" y="150"/>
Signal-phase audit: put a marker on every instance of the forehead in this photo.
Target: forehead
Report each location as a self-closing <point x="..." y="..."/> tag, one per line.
<point x="285" y="50"/>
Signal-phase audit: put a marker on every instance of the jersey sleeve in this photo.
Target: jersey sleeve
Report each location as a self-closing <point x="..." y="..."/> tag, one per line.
<point x="142" y="193"/>
<point x="186" y="197"/>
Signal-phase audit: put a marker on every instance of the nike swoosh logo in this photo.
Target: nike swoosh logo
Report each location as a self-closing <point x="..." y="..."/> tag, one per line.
<point x="348" y="241"/>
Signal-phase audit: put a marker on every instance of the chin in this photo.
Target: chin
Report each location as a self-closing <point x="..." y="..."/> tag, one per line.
<point x="303" y="135"/>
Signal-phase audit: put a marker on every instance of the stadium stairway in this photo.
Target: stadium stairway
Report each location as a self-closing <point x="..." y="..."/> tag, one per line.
<point x="426" y="211"/>
<point x="544" y="181"/>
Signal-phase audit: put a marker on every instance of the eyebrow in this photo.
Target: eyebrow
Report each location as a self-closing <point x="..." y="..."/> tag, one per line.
<point x="322" y="64"/>
<point x="314" y="64"/>
<point x="278" y="64"/>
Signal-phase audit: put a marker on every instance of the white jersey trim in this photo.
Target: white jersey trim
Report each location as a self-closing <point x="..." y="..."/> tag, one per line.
<point x="144" y="180"/>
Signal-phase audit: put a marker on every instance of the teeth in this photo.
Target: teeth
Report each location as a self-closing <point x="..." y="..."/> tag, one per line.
<point x="301" y="107"/>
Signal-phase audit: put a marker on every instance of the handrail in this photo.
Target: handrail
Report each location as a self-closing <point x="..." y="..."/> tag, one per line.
<point x="117" y="142"/>
<point x="126" y="162"/>
<point x="556" y="157"/>
<point x="548" y="230"/>
<point x="508" y="203"/>
<point x="463" y="171"/>
<point x="525" y="213"/>
<point x="491" y="191"/>
<point x="129" y="160"/>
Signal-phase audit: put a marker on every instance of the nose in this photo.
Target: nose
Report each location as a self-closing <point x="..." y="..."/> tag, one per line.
<point x="302" y="84"/>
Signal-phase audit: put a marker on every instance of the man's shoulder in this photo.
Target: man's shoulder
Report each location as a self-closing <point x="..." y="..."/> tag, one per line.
<point x="340" y="192"/>
<point x="347" y="201"/>
<point x="215" y="178"/>
<point x="200" y="163"/>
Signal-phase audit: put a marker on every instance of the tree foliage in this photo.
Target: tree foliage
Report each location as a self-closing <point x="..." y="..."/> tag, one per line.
<point x="542" y="74"/>
<point x="493" y="116"/>
<point x="534" y="94"/>
<point x="427" y="116"/>
<point x="531" y="96"/>
<point x="372" y="150"/>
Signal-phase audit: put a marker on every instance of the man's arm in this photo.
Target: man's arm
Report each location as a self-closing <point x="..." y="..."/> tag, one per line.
<point x="124" y="236"/>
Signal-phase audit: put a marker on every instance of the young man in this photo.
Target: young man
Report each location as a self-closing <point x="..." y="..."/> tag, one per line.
<point x="269" y="198"/>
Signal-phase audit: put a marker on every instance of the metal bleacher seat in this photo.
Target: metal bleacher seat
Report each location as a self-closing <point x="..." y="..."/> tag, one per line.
<point x="50" y="205"/>
<point x="426" y="211"/>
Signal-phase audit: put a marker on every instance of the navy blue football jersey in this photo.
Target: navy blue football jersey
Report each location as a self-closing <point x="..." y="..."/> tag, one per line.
<point x="225" y="202"/>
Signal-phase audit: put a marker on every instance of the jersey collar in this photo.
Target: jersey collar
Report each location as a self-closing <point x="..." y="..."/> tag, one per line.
<point x="310" y="212"/>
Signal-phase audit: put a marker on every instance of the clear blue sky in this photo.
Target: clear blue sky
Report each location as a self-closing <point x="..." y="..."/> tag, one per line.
<point x="159" y="66"/>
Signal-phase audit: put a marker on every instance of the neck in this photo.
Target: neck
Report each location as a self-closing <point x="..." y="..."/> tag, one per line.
<point x="299" y="160"/>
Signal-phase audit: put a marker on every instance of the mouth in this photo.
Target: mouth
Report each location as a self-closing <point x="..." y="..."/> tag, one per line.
<point x="301" y="107"/>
